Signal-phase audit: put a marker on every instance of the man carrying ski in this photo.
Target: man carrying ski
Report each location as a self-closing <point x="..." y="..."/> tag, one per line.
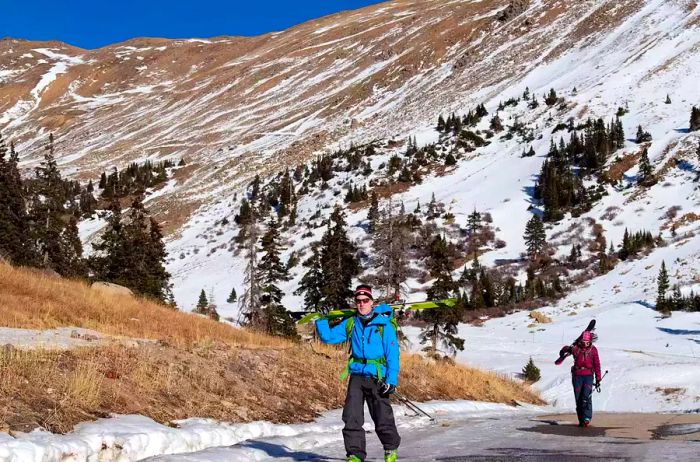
<point x="586" y="364"/>
<point x="373" y="367"/>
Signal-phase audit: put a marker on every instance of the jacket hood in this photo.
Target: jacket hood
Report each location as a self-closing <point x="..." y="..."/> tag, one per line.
<point x="384" y="313"/>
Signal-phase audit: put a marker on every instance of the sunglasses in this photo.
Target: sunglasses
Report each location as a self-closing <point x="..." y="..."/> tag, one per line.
<point x="361" y="301"/>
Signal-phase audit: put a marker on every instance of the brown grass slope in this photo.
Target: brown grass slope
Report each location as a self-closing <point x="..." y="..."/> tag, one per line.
<point x="197" y="367"/>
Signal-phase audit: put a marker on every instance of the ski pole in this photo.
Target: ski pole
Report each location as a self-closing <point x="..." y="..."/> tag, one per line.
<point x="412" y="406"/>
<point x="601" y="379"/>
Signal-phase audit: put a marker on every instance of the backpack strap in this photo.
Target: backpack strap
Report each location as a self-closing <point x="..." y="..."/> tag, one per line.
<point x="349" y="326"/>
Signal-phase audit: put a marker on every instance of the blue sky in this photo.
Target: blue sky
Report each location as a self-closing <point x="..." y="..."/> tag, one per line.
<point x="95" y="23"/>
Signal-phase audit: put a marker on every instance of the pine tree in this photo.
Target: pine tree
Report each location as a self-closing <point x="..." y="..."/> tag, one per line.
<point x="626" y="249"/>
<point x="450" y="160"/>
<point x="232" y="296"/>
<point x="132" y="253"/>
<point x="373" y="214"/>
<point x="271" y="269"/>
<point x="531" y="373"/>
<point x="338" y="262"/>
<point x="646" y="171"/>
<point x="496" y="124"/>
<point x="662" y="287"/>
<point x="276" y="318"/>
<point x="551" y="98"/>
<point x="250" y="313"/>
<point x="14" y="220"/>
<point x="535" y="237"/>
<point x="432" y="207"/>
<point x="312" y="283"/>
<point x="474" y="223"/>
<point x="391" y="246"/>
<point x="441" y="124"/>
<point x="202" y="303"/>
<point x="642" y="136"/>
<point x="668" y="99"/>
<point x="695" y="119"/>
<point x="441" y="328"/>
<point x="54" y="236"/>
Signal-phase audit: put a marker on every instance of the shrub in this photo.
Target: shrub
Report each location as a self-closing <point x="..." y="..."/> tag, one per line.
<point x="531" y="373"/>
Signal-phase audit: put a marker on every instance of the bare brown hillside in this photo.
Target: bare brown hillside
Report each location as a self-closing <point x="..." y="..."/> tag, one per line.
<point x="197" y="367"/>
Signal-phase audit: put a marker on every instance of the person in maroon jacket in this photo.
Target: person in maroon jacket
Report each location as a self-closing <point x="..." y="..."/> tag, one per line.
<point x="586" y="365"/>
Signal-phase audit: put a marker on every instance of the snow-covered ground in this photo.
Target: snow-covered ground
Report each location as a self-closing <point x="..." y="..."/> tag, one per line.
<point x="131" y="438"/>
<point x="653" y="362"/>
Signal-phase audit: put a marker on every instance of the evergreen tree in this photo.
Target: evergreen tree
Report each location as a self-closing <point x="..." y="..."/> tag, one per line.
<point x="202" y="303"/>
<point x="55" y="238"/>
<point x="14" y="220"/>
<point x="474" y="223"/>
<point x="232" y="296"/>
<point x="132" y="253"/>
<point x="668" y="99"/>
<point x="535" y="237"/>
<point x="373" y="214"/>
<point x="496" y="124"/>
<point x="646" y="171"/>
<point x="250" y="302"/>
<point x="626" y="249"/>
<point x="695" y="119"/>
<point x="531" y="373"/>
<point x="432" y="207"/>
<point x="312" y="283"/>
<point x="271" y="269"/>
<point x="450" y="160"/>
<point x="441" y="328"/>
<point x="338" y="262"/>
<point x="662" y="287"/>
<point x="277" y="320"/>
<point x="441" y="124"/>
<point x="642" y="136"/>
<point x="391" y="247"/>
<point x="551" y="98"/>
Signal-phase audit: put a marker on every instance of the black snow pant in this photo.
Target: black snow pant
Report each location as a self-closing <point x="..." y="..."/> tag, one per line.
<point x="361" y="389"/>
<point x="583" y="389"/>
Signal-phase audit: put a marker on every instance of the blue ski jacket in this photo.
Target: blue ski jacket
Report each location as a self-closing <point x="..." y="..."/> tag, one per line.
<point x="367" y="343"/>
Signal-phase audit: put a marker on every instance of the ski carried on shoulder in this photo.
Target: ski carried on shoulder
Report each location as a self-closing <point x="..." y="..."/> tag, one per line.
<point x="342" y="314"/>
<point x="564" y="355"/>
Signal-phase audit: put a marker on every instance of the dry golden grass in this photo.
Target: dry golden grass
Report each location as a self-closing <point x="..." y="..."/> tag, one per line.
<point x="198" y="368"/>
<point x="34" y="300"/>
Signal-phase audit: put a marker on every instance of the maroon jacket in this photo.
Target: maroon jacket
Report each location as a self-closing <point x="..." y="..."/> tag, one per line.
<point x="586" y="361"/>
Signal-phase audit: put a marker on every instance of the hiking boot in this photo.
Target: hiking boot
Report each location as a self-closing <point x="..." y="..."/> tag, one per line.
<point x="354" y="459"/>
<point x="391" y="456"/>
<point x="586" y="422"/>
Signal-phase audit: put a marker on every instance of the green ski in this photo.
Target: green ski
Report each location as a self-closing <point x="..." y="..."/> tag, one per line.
<point x="342" y="314"/>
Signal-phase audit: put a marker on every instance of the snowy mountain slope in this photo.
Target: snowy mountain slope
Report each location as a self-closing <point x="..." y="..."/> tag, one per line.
<point x="230" y="104"/>
<point x="652" y="362"/>
<point x="609" y="72"/>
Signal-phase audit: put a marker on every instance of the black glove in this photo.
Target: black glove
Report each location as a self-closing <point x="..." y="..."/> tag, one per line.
<point x="597" y="386"/>
<point x="385" y="389"/>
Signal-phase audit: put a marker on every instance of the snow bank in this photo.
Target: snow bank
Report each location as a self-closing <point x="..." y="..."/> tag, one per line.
<point x="133" y="437"/>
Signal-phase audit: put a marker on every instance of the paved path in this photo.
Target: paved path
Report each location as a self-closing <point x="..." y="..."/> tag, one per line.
<point x="535" y="438"/>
